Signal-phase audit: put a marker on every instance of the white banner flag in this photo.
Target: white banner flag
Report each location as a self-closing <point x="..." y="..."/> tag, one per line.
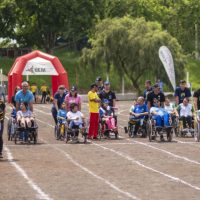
<point x="167" y="60"/>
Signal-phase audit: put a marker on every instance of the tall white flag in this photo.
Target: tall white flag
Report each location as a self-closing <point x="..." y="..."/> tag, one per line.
<point x="167" y="60"/>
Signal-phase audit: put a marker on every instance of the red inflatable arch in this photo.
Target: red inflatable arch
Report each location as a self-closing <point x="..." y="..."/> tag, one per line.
<point x="36" y="63"/>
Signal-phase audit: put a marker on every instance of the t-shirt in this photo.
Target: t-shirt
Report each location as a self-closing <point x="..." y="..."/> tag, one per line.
<point x="62" y="113"/>
<point x="132" y="108"/>
<point x="73" y="115"/>
<point x="60" y="99"/>
<point x="105" y="111"/>
<point x="182" y="94"/>
<point x="160" y="111"/>
<point x="28" y="113"/>
<point x="43" y="88"/>
<point x="169" y="108"/>
<point x="197" y="95"/>
<point x="185" y="110"/>
<point x="140" y="109"/>
<point x="33" y="88"/>
<point x="152" y="96"/>
<point x="24" y="97"/>
<point x="146" y="92"/>
<point x="110" y="96"/>
<point x="69" y="100"/>
<point x="93" y="106"/>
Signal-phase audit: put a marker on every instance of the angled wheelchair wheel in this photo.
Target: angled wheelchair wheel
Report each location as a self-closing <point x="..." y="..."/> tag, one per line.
<point x="169" y="136"/>
<point x="9" y="129"/>
<point x="197" y="133"/>
<point x="35" y="136"/>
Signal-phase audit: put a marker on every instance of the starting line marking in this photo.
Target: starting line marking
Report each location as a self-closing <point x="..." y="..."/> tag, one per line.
<point x="21" y="171"/>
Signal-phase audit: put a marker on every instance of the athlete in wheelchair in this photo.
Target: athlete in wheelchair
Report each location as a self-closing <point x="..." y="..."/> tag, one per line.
<point x="159" y="122"/>
<point x="186" y="118"/>
<point x="77" y="124"/>
<point x="62" y="123"/>
<point x="107" y="122"/>
<point x="26" y="128"/>
<point x="171" y="109"/>
<point x="137" y="119"/>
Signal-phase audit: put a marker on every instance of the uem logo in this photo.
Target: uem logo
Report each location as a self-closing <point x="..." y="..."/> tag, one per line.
<point x="30" y="69"/>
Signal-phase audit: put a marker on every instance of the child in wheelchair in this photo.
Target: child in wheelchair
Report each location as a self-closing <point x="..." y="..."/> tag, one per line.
<point x="62" y="115"/>
<point x="138" y="115"/>
<point x="25" y="118"/>
<point x="161" y="119"/>
<point x="107" y="117"/>
<point x="76" y="120"/>
<point x="186" y="115"/>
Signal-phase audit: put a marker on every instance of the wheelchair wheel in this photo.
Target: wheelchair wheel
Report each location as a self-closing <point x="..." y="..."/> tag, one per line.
<point x="197" y="133"/>
<point x="9" y="129"/>
<point x="100" y="134"/>
<point x="169" y="136"/>
<point x="131" y="129"/>
<point x="57" y="132"/>
<point x="16" y="137"/>
<point x="35" y="136"/>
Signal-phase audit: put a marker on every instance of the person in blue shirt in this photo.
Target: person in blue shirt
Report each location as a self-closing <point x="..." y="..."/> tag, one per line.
<point x="182" y="92"/>
<point x="59" y="98"/>
<point x="160" y="115"/>
<point x="139" y="112"/>
<point x="24" y="96"/>
<point x="62" y="114"/>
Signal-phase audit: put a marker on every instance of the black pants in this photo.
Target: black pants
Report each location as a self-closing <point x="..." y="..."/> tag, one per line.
<point x="34" y="94"/>
<point x="54" y="114"/>
<point x="1" y="135"/>
<point x="187" y="120"/>
<point x="44" y="94"/>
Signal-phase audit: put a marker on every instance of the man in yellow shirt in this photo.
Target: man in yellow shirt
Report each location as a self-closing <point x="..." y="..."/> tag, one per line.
<point x="94" y="101"/>
<point x="33" y="89"/>
<point x="44" y="90"/>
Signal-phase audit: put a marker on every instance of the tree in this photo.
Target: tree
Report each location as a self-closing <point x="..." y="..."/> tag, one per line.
<point x="131" y="47"/>
<point x="7" y="18"/>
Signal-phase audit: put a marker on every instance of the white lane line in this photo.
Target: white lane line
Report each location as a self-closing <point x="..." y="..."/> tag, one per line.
<point x="167" y="152"/>
<point x="94" y="175"/>
<point x="176" y="179"/>
<point x="40" y="194"/>
<point x="46" y="113"/>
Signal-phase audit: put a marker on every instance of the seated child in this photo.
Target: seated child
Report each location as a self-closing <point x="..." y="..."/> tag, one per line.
<point x="106" y="114"/>
<point x="186" y="113"/>
<point x="25" y="116"/>
<point x="75" y="117"/>
<point x="139" y="112"/>
<point x="160" y="115"/>
<point x="62" y="114"/>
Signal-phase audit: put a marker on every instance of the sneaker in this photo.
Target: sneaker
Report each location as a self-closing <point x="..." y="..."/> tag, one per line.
<point x="1" y="155"/>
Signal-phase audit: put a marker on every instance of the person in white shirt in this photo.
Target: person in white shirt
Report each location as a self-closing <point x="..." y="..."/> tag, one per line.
<point x="186" y="112"/>
<point x="25" y="116"/>
<point x="75" y="117"/>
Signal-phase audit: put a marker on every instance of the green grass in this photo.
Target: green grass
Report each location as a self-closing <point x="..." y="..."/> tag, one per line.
<point x="193" y="67"/>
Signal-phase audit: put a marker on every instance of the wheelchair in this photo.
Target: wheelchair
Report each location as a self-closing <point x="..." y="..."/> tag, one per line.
<point x="26" y="134"/>
<point x="60" y="129"/>
<point x="103" y="131"/>
<point x="183" y="132"/>
<point x="142" y="130"/>
<point x="73" y="134"/>
<point x="155" y="131"/>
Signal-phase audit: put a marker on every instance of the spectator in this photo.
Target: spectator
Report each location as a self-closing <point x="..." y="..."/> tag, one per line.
<point x="34" y="90"/>
<point x="148" y="89"/>
<point x="73" y="97"/>
<point x="182" y="92"/>
<point x="160" y="83"/>
<point x="44" y="91"/>
<point x="99" y="82"/>
<point x="13" y="102"/>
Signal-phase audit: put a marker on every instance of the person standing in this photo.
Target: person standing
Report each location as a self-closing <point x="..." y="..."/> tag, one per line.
<point x="34" y="90"/>
<point x="73" y="97"/>
<point x="2" y="116"/>
<point x="3" y="91"/>
<point x="161" y="84"/>
<point x="59" y="98"/>
<point x="182" y="92"/>
<point x="196" y="98"/>
<point x="94" y="101"/>
<point x="44" y="91"/>
<point x="99" y="82"/>
<point x="155" y="95"/>
<point x="108" y="94"/>
<point x="148" y="89"/>
<point x="24" y="95"/>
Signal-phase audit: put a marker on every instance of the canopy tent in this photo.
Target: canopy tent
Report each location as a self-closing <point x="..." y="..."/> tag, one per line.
<point x="36" y="63"/>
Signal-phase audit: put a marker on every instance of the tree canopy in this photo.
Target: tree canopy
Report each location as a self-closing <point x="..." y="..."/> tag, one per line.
<point x="131" y="47"/>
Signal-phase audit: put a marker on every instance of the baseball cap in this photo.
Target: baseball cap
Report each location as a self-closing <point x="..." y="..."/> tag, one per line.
<point x="106" y="83"/>
<point x="93" y="85"/>
<point x="73" y="88"/>
<point x="98" y="78"/>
